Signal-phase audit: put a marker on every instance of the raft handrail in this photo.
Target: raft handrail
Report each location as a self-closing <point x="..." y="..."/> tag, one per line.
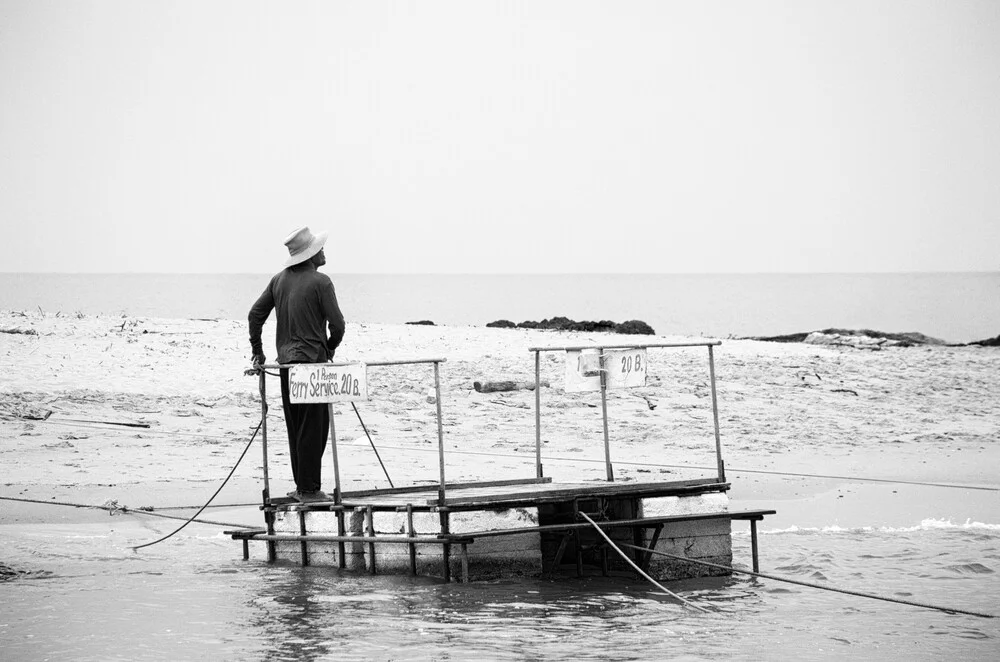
<point x="262" y="369"/>
<point x="601" y="348"/>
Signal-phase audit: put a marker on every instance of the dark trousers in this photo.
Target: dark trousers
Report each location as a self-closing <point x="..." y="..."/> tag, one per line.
<point x="308" y="429"/>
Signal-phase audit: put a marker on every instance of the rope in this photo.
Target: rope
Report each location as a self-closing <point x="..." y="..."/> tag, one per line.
<point x="200" y="521"/>
<point x="136" y="548"/>
<point x="873" y="596"/>
<point x="365" y="428"/>
<point x="112" y="509"/>
<point x="637" y="568"/>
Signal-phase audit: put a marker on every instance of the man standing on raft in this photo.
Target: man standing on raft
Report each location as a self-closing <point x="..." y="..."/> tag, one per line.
<point x="305" y="302"/>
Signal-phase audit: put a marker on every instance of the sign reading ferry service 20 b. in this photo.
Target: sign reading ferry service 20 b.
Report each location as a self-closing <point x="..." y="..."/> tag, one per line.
<point x="623" y="368"/>
<point x="325" y="382"/>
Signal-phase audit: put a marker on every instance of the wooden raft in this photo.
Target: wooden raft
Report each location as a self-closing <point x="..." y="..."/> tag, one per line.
<point x="560" y="503"/>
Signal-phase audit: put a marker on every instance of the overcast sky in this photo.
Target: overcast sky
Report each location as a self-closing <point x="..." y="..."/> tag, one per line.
<point x="501" y="137"/>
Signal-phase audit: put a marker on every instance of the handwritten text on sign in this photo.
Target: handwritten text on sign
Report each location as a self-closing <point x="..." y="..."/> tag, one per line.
<point x="309" y="382"/>
<point x="623" y="368"/>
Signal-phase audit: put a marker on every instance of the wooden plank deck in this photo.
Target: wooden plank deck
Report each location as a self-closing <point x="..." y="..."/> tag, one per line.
<point x="506" y="494"/>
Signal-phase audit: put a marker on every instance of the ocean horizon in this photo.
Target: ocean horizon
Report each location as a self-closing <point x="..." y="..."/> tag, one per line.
<point x="955" y="307"/>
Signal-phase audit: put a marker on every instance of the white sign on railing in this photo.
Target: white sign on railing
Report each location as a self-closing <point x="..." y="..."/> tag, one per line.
<point x="624" y="368"/>
<point x="321" y="382"/>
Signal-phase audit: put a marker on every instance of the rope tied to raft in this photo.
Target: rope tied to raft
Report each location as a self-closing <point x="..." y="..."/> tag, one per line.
<point x="112" y="507"/>
<point x="948" y="610"/>
<point x="136" y="548"/>
<point x="655" y="583"/>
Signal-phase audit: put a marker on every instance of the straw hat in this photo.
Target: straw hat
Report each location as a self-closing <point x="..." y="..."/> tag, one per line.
<point x="303" y="244"/>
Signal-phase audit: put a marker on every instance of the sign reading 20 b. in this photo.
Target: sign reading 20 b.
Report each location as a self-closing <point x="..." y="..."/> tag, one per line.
<point x="623" y="368"/>
<point x="328" y="382"/>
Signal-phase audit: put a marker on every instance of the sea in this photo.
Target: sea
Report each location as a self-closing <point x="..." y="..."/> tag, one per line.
<point x="83" y="594"/>
<point x="954" y="307"/>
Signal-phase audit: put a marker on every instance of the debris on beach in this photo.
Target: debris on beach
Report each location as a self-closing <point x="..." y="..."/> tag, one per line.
<point x="505" y="385"/>
<point x="14" y="406"/>
<point x="19" y="331"/>
<point x="7" y="573"/>
<point x="631" y="327"/>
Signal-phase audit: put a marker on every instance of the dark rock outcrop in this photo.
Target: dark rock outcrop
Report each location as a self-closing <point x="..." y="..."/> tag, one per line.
<point x="423" y="323"/>
<point x="633" y="327"/>
<point x="988" y="342"/>
<point x="864" y="338"/>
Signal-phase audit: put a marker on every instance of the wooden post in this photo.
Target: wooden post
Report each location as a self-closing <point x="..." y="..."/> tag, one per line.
<point x="333" y="451"/>
<point x="753" y="544"/>
<point x="437" y="399"/>
<point x="410" y="531"/>
<point x="465" y="563"/>
<point x="576" y="533"/>
<point x="604" y="416"/>
<point x="370" y="521"/>
<point x="715" y="417"/>
<point x="557" y="559"/>
<point x="538" y="414"/>
<point x="446" y="548"/>
<point x="272" y="552"/>
<point x="652" y="546"/>
<point x="341" y="548"/>
<point x="303" y="545"/>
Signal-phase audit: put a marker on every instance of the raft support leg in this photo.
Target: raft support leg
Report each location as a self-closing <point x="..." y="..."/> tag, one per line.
<point x="446" y="548"/>
<point x="370" y="522"/>
<point x="271" y="551"/>
<point x="559" y="554"/>
<point x="341" y="548"/>
<point x="652" y="545"/>
<point x="465" y="563"/>
<point x="304" y="546"/>
<point x="753" y="544"/>
<point x="412" y="533"/>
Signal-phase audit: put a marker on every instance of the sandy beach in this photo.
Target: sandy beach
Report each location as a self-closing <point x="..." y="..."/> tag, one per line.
<point x="70" y="383"/>
<point x="871" y="459"/>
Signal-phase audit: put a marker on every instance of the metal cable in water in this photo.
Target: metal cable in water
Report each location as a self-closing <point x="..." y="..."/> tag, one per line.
<point x="112" y="509"/>
<point x="191" y="519"/>
<point x="637" y="568"/>
<point x="810" y="585"/>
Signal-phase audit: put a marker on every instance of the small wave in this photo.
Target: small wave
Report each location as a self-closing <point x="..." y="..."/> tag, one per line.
<point x="925" y="525"/>
<point x="970" y="569"/>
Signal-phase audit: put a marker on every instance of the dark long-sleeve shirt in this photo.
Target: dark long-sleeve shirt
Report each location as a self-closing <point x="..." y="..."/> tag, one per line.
<point x="305" y="302"/>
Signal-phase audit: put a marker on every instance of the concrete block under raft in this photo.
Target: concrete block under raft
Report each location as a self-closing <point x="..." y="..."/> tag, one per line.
<point x="707" y="540"/>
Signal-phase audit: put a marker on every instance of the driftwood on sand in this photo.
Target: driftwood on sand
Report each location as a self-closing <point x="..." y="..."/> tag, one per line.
<point x="505" y="385"/>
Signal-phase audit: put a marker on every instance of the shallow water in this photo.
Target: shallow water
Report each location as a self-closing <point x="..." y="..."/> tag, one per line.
<point x="87" y="596"/>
